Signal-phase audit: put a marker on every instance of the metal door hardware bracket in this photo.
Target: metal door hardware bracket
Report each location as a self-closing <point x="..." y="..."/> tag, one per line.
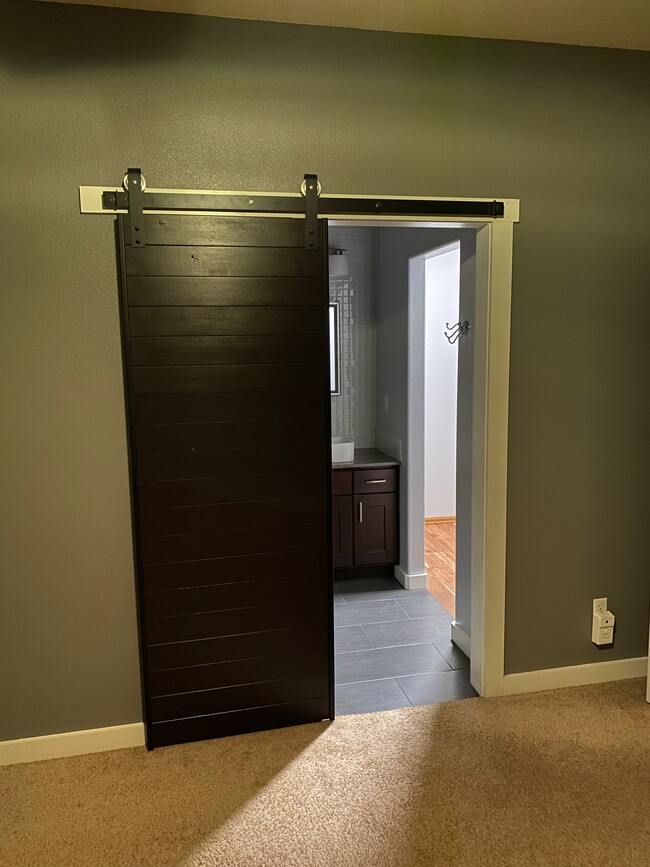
<point x="134" y="189"/>
<point x="460" y="329"/>
<point x="311" y="191"/>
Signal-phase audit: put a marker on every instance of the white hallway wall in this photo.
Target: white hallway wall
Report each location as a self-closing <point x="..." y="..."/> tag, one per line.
<point x="442" y="297"/>
<point x="396" y="247"/>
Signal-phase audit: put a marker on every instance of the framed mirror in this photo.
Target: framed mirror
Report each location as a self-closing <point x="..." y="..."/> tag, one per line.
<point x="335" y="386"/>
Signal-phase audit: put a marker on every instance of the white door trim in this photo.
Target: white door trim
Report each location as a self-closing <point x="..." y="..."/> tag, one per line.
<point x="490" y="456"/>
<point x="491" y="334"/>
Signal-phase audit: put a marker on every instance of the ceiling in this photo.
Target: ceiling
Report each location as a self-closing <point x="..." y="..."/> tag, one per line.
<point x="621" y="24"/>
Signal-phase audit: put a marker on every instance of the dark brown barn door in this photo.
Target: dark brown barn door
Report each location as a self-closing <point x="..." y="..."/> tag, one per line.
<point x="226" y="366"/>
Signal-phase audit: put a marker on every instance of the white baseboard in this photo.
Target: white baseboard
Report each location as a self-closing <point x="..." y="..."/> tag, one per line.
<point x="575" y="675"/>
<point x="71" y="744"/>
<point x="411" y="582"/>
<point x="460" y="638"/>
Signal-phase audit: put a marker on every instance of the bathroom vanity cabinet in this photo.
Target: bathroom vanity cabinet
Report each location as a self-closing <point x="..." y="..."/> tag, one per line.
<point x="365" y="521"/>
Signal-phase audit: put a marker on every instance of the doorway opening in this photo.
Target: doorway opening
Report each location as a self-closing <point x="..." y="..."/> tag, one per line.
<point x="398" y="405"/>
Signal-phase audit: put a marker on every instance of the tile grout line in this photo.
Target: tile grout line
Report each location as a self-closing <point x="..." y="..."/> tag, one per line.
<point x="441" y="656"/>
<point x="373" y="622"/>
<point x="412" y="594"/>
<point x="416" y="595"/>
<point x="395" y="676"/>
<point x="391" y="647"/>
<point x="433" y="641"/>
<point x="372" y="680"/>
<point x="406" y="612"/>
<point x="426" y="673"/>
<point x="374" y="646"/>
<point x="403" y="693"/>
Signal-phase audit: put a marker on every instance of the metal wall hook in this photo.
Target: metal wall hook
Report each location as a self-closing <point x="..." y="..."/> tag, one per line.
<point x="460" y="329"/>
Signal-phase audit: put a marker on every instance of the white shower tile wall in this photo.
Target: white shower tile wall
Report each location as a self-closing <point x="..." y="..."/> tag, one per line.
<point x="354" y="411"/>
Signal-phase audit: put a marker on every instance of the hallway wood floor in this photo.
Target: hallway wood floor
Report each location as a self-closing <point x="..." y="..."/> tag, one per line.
<point x="440" y="562"/>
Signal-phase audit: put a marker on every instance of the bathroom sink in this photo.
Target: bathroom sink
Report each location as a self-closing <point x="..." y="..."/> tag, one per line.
<point x="342" y="450"/>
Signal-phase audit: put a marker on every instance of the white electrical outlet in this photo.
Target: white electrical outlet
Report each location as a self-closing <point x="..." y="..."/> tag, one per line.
<point x="600" y="605"/>
<point x="602" y="623"/>
<point x="385" y="403"/>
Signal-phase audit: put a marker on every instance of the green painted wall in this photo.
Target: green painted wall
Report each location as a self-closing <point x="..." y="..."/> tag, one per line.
<point x="198" y="102"/>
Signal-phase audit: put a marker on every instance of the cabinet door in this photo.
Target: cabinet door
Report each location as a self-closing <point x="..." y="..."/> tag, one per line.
<point x="375" y="529"/>
<point x="342" y="535"/>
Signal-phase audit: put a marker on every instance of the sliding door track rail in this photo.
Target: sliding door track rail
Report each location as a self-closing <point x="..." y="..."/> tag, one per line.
<point x="115" y="200"/>
<point x="309" y="202"/>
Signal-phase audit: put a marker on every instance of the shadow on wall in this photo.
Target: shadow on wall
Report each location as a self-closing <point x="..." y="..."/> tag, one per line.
<point x="55" y="36"/>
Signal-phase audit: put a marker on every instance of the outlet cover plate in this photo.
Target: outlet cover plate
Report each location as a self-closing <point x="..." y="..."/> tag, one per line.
<point x="600" y="605"/>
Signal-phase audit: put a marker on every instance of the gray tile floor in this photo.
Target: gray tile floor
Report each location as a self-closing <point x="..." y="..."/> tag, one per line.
<point x="393" y="648"/>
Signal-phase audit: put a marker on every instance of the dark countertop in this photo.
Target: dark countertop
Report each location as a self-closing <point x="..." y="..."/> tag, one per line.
<point x="367" y="459"/>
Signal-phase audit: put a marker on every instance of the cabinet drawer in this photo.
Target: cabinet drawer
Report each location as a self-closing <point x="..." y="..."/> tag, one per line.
<point x="375" y="481"/>
<point x="341" y="483"/>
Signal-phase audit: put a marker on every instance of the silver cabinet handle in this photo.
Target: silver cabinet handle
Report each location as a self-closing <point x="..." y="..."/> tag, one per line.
<point x="376" y="481"/>
<point x="360" y="512"/>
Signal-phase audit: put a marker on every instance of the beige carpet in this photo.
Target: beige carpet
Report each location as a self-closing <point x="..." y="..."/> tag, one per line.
<point x="555" y="778"/>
